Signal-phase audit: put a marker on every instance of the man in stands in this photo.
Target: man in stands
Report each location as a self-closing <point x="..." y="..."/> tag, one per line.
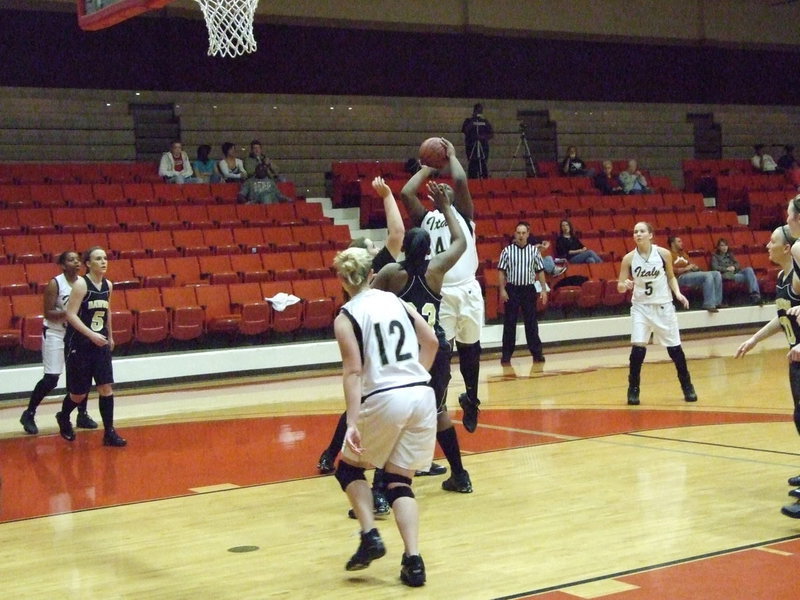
<point x="261" y="189"/>
<point x="175" y="166"/>
<point x="606" y="181"/>
<point x="632" y="180"/>
<point x="257" y="157"/>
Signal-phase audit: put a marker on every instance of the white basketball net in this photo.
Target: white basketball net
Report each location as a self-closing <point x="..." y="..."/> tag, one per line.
<point x="230" y="26"/>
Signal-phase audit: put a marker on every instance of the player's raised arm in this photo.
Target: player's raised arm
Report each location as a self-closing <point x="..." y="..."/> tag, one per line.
<point x="394" y="221"/>
<point x="409" y="194"/>
<point x="463" y="199"/>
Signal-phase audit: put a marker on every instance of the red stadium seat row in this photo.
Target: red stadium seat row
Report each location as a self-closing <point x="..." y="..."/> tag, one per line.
<point x="613" y="225"/>
<point x="23" y="249"/>
<point x="141" y="218"/>
<point x="19" y="279"/>
<point x="122" y="194"/>
<point x="372" y="207"/>
<point x="152" y="315"/>
<point x="92" y="172"/>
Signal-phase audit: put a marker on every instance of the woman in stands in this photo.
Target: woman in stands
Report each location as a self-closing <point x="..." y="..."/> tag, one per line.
<point x="386" y="350"/>
<point x="647" y="271"/>
<point x="88" y="344"/>
<point x="232" y="168"/>
<point x="722" y="260"/>
<point x="205" y="168"/>
<point x="56" y="295"/>
<point x="570" y="247"/>
<point x="573" y="166"/>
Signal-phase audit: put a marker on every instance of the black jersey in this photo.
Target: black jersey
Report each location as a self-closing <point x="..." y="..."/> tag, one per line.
<point x="785" y="298"/>
<point x="426" y="302"/>
<point x="93" y="313"/>
<point x="381" y="259"/>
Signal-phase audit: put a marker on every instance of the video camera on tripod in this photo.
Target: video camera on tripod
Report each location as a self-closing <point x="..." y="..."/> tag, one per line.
<point x="530" y="167"/>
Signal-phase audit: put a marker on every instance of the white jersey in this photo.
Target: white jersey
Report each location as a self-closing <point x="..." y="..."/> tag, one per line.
<point x="650" y="278"/>
<point x="387" y="340"/>
<point x="464" y="270"/>
<point x="64" y="288"/>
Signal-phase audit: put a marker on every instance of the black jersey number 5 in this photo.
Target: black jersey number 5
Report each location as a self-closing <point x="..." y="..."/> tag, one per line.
<point x="395" y="331"/>
<point x="648" y="288"/>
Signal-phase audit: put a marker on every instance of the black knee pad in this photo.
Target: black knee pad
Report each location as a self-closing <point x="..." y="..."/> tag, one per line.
<point x="399" y="491"/>
<point x="347" y="474"/>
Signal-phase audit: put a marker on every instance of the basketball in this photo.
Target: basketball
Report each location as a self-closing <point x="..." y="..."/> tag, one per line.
<point x="433" y="153"/>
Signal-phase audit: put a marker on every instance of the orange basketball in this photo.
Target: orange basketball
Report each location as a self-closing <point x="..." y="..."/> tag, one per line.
<point x="433" y="153"/>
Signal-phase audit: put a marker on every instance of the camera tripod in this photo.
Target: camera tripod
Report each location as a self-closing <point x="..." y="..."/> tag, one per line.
<point x="530" y="167"/>
<point x="477" y="154"/>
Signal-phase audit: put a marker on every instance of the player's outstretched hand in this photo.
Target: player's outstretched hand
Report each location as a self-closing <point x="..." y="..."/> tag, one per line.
<point x="683" y="300"/>
<point x="437" y="194"/>
<point x="380" y="187"/>
<point x="629" y="284"/>
<point x="745" y="347"/>
<point x="451" y="150"/>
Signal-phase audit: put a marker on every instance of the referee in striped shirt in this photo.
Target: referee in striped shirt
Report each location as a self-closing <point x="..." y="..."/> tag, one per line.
<point x="520" y="266"/>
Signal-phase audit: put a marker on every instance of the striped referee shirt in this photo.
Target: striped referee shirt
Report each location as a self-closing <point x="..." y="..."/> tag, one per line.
<point x="520" y="264"/>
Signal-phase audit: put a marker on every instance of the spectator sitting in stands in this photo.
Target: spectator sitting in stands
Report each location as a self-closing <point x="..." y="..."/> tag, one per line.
<point x="690" y="275"/>
<point x="722" y="260"/>
<point x="607" y="182"/>
<point x="763" y="162"/>
<point x="232" y="168"/>
<point x="550" y="266"/>
<point x="205" y="168"/>
<point x="175" y="166"/>
<point x="574" y="166"/>
<point x="570" y="247"/>
<point x="257" y="157"/>
<point x="261" y="189"/>
<point x="632" y="180"/>
<point x="788" y="162"/>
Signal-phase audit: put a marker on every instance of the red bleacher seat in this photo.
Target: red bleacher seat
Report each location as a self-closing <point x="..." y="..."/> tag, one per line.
<point x="185" y="314"/>
<point x="216" y="302"/>
<point x="28" y="316"/>
<point x="288" y="320"/>
<point x="247" y="299"/>
<point x="9" y="330"/>
<point x="151" y="323"/>
<point x="152" y="272"/>
<point x="217" y="269"/>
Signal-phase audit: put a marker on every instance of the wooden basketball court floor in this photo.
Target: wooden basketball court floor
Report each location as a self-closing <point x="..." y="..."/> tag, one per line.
<point x="576" y="494"/>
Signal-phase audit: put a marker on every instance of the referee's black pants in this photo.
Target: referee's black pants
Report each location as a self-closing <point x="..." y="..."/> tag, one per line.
<point x="521" y="297"/>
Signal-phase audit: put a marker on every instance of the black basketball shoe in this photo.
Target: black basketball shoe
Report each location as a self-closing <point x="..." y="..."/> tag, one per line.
<point x="435" y="469"/>
<point x="325" y="465"/>
<point x="458" y="483"/>
<point x="412" y="570"/>
<point x="84" y="421"/>
<point x="28" y="423"/>
<point x="65" y="427"/>
<point x="112" y="438"/>
<point x="471" y="410"/>
<point x="633" y="395"/>
<point x="370" y="548"/>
